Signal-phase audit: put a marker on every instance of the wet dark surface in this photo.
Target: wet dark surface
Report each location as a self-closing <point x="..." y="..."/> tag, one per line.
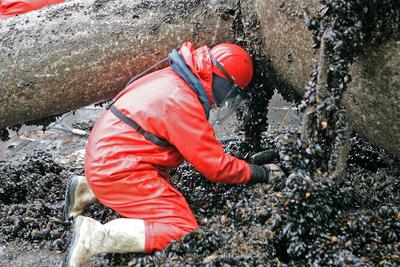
<point x="34" y="166"/>
<point x="355" y="221"/>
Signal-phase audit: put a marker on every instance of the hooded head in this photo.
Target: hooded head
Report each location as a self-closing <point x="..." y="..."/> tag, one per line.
<point x="224" y="68"/>
<point x="224" y="71"/>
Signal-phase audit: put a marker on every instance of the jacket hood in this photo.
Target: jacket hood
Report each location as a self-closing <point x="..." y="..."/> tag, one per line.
<point x="199" y="62"/>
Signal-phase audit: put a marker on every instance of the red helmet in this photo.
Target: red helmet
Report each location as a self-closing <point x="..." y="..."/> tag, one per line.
<point x="235" y="61"/>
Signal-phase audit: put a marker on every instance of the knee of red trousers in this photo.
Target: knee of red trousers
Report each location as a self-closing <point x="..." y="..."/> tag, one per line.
<point x="159" y="235"/>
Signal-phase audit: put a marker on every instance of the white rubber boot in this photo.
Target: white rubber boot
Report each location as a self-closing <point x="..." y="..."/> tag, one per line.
<point x="78" y="195"/>
<point x="90" y="237"/>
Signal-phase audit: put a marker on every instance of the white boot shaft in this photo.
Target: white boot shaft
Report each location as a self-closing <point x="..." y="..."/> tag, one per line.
<point x="90" y="237"/>
<point x="124" y="235"/>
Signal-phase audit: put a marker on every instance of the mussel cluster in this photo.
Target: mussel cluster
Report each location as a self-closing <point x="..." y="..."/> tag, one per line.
<point x="317" y="213"/>
<point x="346" y="27"/>
<point x="31" y="201"/>
<point x="301" y="221"/>
<point x="292" y="223"/>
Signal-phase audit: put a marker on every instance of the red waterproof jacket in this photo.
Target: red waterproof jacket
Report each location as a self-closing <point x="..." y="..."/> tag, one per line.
<point x="127" y="172"/>
<point x="13" y="7"/>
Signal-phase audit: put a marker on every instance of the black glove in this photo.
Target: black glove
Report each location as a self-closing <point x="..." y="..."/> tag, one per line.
<point x="264" y="157"/>
<point x="267" y="173"/>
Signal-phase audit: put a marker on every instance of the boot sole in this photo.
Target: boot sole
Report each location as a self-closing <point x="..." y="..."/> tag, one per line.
<point x="69" y="196"/>
<point x="77" y="224"/>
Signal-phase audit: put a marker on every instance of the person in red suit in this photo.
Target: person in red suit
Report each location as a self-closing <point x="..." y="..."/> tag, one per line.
<point x="9" y="8"/>
<point x="153" y="125"/>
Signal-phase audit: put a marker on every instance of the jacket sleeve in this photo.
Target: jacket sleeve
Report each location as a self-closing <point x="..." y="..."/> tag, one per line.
<point x="189" y="131"/>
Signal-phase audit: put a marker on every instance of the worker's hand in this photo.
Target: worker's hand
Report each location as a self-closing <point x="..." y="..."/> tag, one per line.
<point x="264" y="157"/>
<point x="267" y="173"/>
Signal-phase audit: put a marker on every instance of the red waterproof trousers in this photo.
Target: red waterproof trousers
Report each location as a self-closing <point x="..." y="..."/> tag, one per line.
<point x="10" y="8"/>
<point x="127" y="172"/>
